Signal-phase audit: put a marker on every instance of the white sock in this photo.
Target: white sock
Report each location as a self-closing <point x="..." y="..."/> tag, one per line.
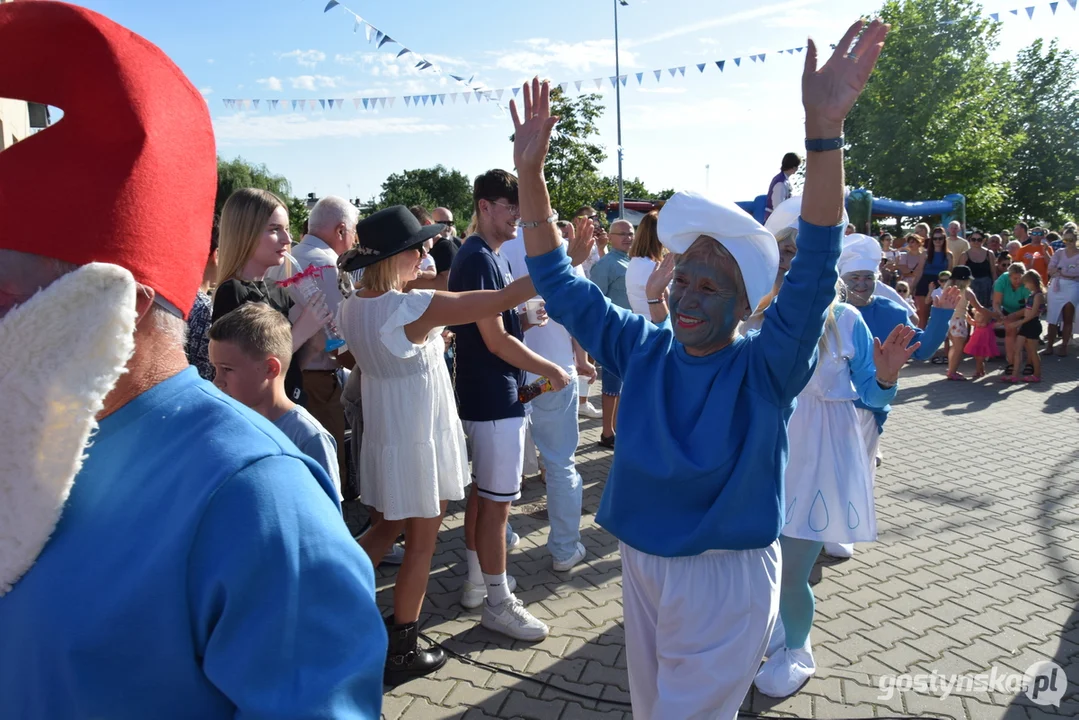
<point x="498" y="589"/>
<point x="475" y="574"/>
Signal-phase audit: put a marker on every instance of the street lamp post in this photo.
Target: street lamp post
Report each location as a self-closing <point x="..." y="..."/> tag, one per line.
<point x="618" y="110"/>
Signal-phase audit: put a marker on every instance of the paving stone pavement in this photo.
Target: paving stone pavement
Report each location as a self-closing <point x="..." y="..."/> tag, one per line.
<point x="975" y="568"/>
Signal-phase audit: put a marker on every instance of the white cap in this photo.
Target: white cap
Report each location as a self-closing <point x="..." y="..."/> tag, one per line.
<point x="861" y="253"/>
<point x="688" y="215"/>
<point x="787" y="214"/>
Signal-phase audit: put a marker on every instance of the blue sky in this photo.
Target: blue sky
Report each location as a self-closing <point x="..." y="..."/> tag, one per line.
<point x="738" y="122"/>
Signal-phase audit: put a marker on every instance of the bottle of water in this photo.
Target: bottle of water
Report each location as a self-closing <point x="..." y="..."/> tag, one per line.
<point x="306" y="284"/>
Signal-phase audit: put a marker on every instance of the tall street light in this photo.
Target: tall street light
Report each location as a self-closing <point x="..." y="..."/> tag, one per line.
<point x="618" y="110"/>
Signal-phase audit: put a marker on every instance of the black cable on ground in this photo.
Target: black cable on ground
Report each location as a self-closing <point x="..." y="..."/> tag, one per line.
<point x="621" y="703"/>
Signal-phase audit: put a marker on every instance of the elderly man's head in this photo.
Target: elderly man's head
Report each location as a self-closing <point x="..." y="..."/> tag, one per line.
<point x="333" y="221"/>
<point x="621" y="234"/>
<point x="445" y="217"/>
<point x="708" y="298"/>
<point x="1013" y="247"/>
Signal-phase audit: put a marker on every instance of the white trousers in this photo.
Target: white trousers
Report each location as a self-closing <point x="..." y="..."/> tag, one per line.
<point x="696" y="629"/>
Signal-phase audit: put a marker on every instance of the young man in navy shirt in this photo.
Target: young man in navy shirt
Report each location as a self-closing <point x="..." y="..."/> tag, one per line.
<point x="491" y="360"/>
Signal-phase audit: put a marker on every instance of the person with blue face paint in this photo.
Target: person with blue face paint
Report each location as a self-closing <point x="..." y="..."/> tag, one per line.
<point x="695" y="493"/>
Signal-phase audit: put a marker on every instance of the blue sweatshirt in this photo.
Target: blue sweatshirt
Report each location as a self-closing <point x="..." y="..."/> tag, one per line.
<point x="702" y="442"/>
<point x="882" y="314"/>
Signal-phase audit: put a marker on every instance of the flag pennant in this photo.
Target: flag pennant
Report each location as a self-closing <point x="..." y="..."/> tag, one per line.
<point x="564" y="86"/>
<point x="1053" y="7"/>
<point x="331" y="5"/>
<point x="408" y="100"/>
<point x="598" y="82"/>
<point x="700" y="66"/>
<point x="658" y="74"/>
<point x="424" y="98"/>
<point x="753" y="58"/>
<point x="720" y="64"/>
<point x="577" y="83"/>
<point x="367" y="31"/>
<point x="467" y="97"/>
<point x="640" y="78"/>
<point x="274" y="103"/>
<point x="453" y="98"/>
<point x="457" y="78"/>
<point x="1072" y="3"/>
<point x="499" y="92"/>
<point x="517" y="89"/>
<point x="799" y="49"/>
<point x="442" y="99"/>
<point x="479" y="94"/>
<point x="406" y="51"/>
<point x="426" y="65"/>
<point x="356" y="103"/>
<point x="738" y="62"/>
<point x="1014" y="12"/>
<point x="995" y="16"/>
<point x="256" y="103"/>
<point x="762" y="56"/>
<point x="295" y="103"/>
<point x="385" y="39"/>
<point x="388" y="100"/>
<point x="356" y="25"/>
<point x="331" y="103"/>
<point x="622" y="79"/>
<point x="378" y="37"/>
<point x="340" y="103"/>
<point x="614" y="80"/>
<point x="322" y="103"/>
<point x="1030" y="13"/>
<point x="682" y="70"/>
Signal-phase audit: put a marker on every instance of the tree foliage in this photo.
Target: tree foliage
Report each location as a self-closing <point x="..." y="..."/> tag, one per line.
<point x="238" y="173"/>
<point x="431" y="188"/>
<point x="1043" y="171"/>
<point x="933" y="118"/>
<point x="572" y="167"/>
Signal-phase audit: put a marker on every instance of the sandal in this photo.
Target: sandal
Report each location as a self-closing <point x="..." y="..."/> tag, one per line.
<point x="1008" y="379"/>
<point x="979" y="375"/>
<point x="956" y="376"/>
<point x="1009" y="369"/>
<point x="606" y="442"/>
<point x="1028" y="369"/>
<point x="938" y="360"/>
<point x="1032" y="379"/>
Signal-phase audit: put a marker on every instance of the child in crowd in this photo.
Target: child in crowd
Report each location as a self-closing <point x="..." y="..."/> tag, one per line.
<point x="959" y="330"/>
<point x="903" y="288"/>
<point x="1028" y="320"/>
<point x="936" y="289"/>
<point x="983" y="341"/>
<point x="250" y="348"/>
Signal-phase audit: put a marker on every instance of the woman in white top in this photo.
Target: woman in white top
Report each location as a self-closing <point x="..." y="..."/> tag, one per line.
<point x="644" y="256"/>
<point x="413" y="458"/>
<point x="1063" y="295"/>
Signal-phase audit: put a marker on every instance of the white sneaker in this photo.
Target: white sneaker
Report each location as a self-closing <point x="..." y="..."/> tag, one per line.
<point x="472" y="596"/>
<point x="576" y="557"/>
<point x="839" y="550"/>
<point x="785" y="672"/>
<point x="511" y="618"/>
<point x="512" y="540"/>
<point x="588" y="410"/>
<point x="395" y="555"/>
<point x="778" y="640"/>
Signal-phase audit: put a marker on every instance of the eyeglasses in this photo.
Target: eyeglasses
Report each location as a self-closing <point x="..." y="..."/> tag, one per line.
<point x="623" y="234"/>
<point x="977" y="239"/>
<point x="1037" y="234"/>
<point x="514" y="210"/>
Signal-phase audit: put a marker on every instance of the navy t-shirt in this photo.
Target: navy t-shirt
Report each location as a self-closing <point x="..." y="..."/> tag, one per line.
<point x="486" y="384"/>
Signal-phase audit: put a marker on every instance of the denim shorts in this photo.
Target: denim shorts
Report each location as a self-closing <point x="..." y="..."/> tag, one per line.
<point x="612" y="384"/>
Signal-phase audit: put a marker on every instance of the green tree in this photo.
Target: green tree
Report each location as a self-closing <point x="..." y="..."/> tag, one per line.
<point x="932" y="120"/>
<point x="238" y="173"/>
<point x="572" y="167"/>
<point x="1043" y="173"/>
<point x="431" y="188"/>
<point x="297" y="217"/>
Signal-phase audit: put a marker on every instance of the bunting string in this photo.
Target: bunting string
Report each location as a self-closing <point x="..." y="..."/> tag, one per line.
<point x="478" y="93"/>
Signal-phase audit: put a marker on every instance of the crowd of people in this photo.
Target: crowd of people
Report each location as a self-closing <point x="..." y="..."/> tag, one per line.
<point x="747" y="368"/>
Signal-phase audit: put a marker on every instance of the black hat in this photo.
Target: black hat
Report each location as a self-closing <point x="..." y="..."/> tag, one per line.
<point x="388" y="232"/>
<point x="960" y="272"/>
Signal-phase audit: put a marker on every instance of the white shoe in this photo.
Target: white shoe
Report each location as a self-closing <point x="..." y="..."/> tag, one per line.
<point x="511" y="618"/>
<point x="839" y="550"/>
<point x="588" y="410"/>
<point x="785" y="672"/>
<point x="778" y="640"/>
<point x="472" y="596"/>
<point x="395" y="556"/>
<point x="512" y="540"/>
<point x="576" y="557"/>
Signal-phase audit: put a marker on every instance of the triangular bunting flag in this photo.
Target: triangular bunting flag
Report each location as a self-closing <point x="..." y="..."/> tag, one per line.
<point x="738" y="62"/>
<point x="356" y="27"/>
<point x="614" y="80"/>
<point x="417" y="65"/>
<point x="467" y="97"/>
<point x="682" y="70"/>
<point x="385" y="39"/>
<point x="622" y="79"/>
<point x="378" y="36"/>
<point x="720" y="64"/>
<point x="408" y="100"/>
<point x="565" y="87"/>
<point x="426" y="65"/>
<point x="790" y="51"/>
<point x="598" y="82"/>
<point x="1053" y="7"/>
<point x="1072" y="3"/>
<point x="311" y="104"/>
<point x="1030" y="13"/>
<point x="256" y="102"/>
<point x="424" y="97"/>
<point x="658" y="74"/>
<point x="295" y="103"/>
<point x="388" y="100"/>
<point x="331" y="104"/>
<point x="762" y="56"/>
<point x="498" y="93"/>
<point x="517" y="90"/>
<point x="457" y="78"/>
<point x="700" y="66"/>
<point x="470" y="79"/>
<point x="331" y="5"/>
<point x="672" y="71"/>
<point x="995" y="16"/>
<point x="274" y="103"/>
<point x="453" y="98"/>
<point x="799" y="49"/>
<point x="442" y="99"/>
<point x="405" y="52"/>
<point x="640" y="78"/>
<point x="1014" y="12"/>
<point x="367" y="30"/>
<point x="356" y="103"/>
<point x="340" y="103"/>
<point x="576" y="83"/>
<point x="753" y="58"/>
<point x="322" y="103"/>
<point x="479" y="94"/>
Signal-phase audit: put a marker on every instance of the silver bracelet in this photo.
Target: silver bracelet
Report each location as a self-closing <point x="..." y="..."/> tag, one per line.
<point x="548" y="221"/>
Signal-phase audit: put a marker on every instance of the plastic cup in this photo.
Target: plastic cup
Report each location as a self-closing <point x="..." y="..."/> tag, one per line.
<point x="532" y="310"/>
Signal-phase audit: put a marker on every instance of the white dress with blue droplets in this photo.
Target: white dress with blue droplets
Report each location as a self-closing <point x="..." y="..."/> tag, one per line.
<point x="828" y="483"/>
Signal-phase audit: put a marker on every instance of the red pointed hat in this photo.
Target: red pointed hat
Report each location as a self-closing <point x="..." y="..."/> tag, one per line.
<point x="129" y="174"/>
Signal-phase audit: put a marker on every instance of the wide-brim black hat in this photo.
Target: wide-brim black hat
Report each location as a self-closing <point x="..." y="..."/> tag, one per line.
<point x="961" y="272"/>
<point x="386" y="233"/>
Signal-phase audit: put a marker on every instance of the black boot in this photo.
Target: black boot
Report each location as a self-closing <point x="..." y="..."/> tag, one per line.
<point x="404" y="660"/>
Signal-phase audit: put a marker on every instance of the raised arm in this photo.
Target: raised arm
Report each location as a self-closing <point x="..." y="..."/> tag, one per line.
<point x="794" y="323"/>
<point x="448" y="308"/>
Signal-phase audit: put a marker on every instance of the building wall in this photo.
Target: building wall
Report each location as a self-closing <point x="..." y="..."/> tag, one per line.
<point x="14" y="119"/>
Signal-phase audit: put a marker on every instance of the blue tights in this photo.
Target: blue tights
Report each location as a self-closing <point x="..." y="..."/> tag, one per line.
<point x="796" y="597"/>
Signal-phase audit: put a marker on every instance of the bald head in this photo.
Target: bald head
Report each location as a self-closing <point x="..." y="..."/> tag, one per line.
<point x="444" y="216"/>
<point x="621" y="234"/>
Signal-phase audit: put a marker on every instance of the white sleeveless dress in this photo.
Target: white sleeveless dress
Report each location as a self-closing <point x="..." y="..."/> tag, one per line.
<point x="413" y="454"/>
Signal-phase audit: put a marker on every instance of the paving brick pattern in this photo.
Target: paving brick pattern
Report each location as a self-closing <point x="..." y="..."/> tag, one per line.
<point x="976" y="567"/>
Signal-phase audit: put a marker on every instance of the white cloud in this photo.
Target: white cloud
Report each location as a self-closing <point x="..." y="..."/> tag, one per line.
<point x="304" y="58"/>
<point x="270" y="83"/>
<point x="710" y="113"/>
<point x="542" y="54"/>
<point x="312" y="82"/>
<point x="206" y="91"/>
<point x="209" y="61"/>
<point x="780" y="9"/>
<point x="244" y="129"/>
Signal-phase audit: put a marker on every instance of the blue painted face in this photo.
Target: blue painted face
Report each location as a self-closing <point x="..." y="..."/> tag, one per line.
<point x="707" y="303"/>
<point x="860" y="287"/>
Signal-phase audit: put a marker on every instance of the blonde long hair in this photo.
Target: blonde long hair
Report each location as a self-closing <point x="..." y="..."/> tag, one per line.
<point x="243" y="219"/>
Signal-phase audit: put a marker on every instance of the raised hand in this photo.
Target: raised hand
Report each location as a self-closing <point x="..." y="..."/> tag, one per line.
<point x="890" y="356"/>
<point x="580" y="246"/>
<point x="532" y="135"/>
<point x="829" y="93"/>
<point x="660" y="279"/>
<point x="948" y="299"/>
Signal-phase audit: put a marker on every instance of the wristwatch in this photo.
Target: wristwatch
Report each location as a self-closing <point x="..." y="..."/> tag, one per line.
<point x="825" y="145"/>
<point x="537" y="223"/>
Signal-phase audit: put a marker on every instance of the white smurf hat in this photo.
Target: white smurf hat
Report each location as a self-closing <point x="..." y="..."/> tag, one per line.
<point x="861" y="253"/>
<point x="688" y="215"/>
<point x="787" y="215"/>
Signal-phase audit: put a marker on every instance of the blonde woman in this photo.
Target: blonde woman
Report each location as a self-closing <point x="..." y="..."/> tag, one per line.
<point x="253" y="238"/>
<point x="413" y="458"/>
<point x="645" y="254"/>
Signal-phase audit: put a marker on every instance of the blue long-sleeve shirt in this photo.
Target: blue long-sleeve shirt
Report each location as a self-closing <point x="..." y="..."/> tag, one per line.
<point x="702" y="441"/>
<point x="882" y="315"/>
